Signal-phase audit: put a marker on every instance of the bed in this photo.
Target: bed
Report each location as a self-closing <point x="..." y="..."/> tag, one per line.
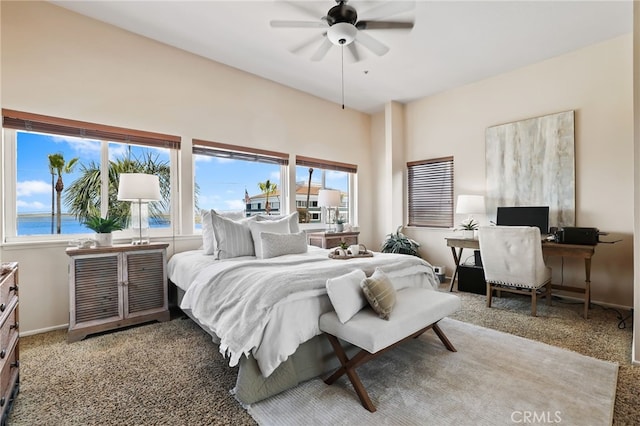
<point x="263" y="310"/>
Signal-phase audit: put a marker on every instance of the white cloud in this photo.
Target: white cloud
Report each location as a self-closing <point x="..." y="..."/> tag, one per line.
<point x="35" y="205"/>
<point x="275" y="176"/>
<point x="335" y="175"/>
<point x="235" y="204"/>
<point x="83" y="147"/>
<point x="117" y="151"/>
<point x="31" y="187"/>
<point x="202" y="158"/>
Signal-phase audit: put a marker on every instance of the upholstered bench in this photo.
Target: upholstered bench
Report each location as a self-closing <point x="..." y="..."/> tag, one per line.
<point x="416" y="310"/>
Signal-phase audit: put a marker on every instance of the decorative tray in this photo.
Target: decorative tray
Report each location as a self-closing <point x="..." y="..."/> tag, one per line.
<point x="340" y="253"/>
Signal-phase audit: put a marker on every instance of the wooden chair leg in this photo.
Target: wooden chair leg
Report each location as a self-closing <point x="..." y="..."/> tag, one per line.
<point x="549" y="294"/>
<point x="534" y="300"/>
<point x="489" y="290"/>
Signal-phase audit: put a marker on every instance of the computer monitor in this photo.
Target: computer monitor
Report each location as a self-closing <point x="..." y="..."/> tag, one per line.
<point x="524" y="216"/>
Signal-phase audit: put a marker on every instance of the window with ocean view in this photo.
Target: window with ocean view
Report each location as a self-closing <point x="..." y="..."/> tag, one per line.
<point x="59" y="179"/>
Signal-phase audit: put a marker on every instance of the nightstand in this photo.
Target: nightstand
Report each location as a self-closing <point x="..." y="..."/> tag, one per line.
<point x="117" y="286"/>
<point x="332" y="239"/>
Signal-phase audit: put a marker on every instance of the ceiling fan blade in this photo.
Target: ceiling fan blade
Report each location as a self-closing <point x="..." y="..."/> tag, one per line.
<point x="322" y="50"/>
<point x="371" y="43"/>
<point x="354" y="51"/>
<point x="298" y="24"/>
<point x="305" y="7"/>
<point x="300" y="47"/>
<point x="383" y="25"/>
<point x="389" y="8"/>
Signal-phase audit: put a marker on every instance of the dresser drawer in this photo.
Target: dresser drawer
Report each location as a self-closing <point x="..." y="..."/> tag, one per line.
<point x="8" y="331"/>
<point x="7" y="376"/>
<point x="8" y="289"/>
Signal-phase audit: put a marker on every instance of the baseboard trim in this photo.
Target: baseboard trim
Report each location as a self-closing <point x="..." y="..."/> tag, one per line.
<point x="43" y="330"/>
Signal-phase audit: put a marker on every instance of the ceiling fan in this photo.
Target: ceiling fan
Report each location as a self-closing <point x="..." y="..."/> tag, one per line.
<point x="343" y="27"/>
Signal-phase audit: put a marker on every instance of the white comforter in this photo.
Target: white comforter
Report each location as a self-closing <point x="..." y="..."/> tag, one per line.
<point x="269" y="307"/>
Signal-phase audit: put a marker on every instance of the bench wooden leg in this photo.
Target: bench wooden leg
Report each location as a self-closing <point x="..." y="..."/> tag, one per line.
<point x="445" y="341"/>
<point x="348" y="367"/>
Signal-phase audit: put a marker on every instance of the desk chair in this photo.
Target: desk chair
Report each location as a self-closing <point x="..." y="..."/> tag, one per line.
<point x="512" y="261"/>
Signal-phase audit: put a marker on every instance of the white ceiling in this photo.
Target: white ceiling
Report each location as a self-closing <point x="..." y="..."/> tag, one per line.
<point x="452" y="43"/>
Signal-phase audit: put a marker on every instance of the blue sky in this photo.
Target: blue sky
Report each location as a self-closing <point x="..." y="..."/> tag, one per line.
<point x="222" y="182"/>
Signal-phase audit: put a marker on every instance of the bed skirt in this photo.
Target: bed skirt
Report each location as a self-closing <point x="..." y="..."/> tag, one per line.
<point x="313" y="358"/>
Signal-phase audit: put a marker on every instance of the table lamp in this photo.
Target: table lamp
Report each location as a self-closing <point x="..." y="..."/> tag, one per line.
<point x="470" y="204"/>
<point x="329" y="198"/>
<point x="139" y="188"/>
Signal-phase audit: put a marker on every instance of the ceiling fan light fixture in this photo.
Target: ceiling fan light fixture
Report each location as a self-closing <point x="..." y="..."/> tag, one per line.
<point x="342" y="33"/>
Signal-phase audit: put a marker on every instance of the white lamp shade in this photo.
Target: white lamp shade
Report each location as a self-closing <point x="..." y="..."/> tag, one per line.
<point x="138" y="187"/>
<point x="328" y="198"/>
<point x="470" y="204"/>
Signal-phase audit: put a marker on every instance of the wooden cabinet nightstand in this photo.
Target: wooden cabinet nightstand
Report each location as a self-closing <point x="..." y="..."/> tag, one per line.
<point x="332" y="239"/>
<point x="118" y="286"/>
<point x="9" y="339"/>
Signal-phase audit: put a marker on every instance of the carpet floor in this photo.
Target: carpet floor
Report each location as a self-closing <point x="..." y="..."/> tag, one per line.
<point x="171" y="373"/>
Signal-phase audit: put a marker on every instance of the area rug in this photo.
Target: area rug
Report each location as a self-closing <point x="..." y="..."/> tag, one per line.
<point x="494" y="379"/>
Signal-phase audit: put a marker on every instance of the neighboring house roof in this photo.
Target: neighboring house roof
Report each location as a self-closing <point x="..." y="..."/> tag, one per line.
<point x="301" y="189"/>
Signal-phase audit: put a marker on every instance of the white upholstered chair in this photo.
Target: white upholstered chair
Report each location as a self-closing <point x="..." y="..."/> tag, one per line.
<point x="512" y="262"/>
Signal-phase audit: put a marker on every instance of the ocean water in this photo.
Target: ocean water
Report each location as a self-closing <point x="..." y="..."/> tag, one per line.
<point x="40" y="224"/>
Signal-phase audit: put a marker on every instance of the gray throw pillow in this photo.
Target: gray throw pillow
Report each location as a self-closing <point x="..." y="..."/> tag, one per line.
<point x="274" y="245"/>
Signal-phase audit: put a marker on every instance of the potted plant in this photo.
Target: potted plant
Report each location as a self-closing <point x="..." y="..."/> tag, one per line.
<point x="339" y="224"/>
<point x="103" y="227"/>
<point x="397" y="242"/>
<point x="468" y="226"/>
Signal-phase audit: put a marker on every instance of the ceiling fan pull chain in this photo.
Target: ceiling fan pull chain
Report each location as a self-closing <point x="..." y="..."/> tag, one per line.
<point x="342" y="66"/>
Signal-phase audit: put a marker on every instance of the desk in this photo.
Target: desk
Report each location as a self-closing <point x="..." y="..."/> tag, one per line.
<point x="548" y="249"/>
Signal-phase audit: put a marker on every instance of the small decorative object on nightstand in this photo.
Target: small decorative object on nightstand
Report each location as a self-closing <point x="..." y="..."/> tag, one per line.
<point x="114" y="287"/>
<point x="332" y="239"/>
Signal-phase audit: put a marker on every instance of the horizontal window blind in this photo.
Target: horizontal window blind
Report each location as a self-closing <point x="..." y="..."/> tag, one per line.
<point x="61" y="126"/>
<point x="326" y="165"/>
<point x="430" y="198"/>
<point x="215" y="149"/>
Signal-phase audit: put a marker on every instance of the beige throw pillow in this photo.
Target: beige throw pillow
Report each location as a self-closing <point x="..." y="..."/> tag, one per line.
<point x="380" y="293"/>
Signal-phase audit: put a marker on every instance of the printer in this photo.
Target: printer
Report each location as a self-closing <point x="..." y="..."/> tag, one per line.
<point x="575" y="235"/>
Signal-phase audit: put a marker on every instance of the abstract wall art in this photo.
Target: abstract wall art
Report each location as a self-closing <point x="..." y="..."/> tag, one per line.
<point x="532" y="163"/>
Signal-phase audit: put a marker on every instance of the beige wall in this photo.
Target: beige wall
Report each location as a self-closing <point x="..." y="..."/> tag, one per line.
<point x="596" y="82"/>
<point x="58" y="63"/>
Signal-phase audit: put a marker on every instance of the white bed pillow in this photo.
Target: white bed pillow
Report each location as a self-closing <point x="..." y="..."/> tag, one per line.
<point x="346" y="294"/>
<point x="233" y="237"/>
<point x="273" y="226"/>
<point x="274" y="245"/>
<point x="292" y="219"/>
<point x="208" y="236"/>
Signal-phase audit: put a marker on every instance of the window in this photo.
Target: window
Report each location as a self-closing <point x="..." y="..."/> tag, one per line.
<point x="312" y="175"/>
<point x="90" y="158"/>
<point x="230" y="177"/>
<point x="430" y="198"/>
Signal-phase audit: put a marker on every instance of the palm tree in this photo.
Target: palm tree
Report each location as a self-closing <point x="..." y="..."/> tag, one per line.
<point x="57" y="163"/>
<point x="53" y="190"/>
<point x="267" y="188"/>
<point x="84" y="194"/>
